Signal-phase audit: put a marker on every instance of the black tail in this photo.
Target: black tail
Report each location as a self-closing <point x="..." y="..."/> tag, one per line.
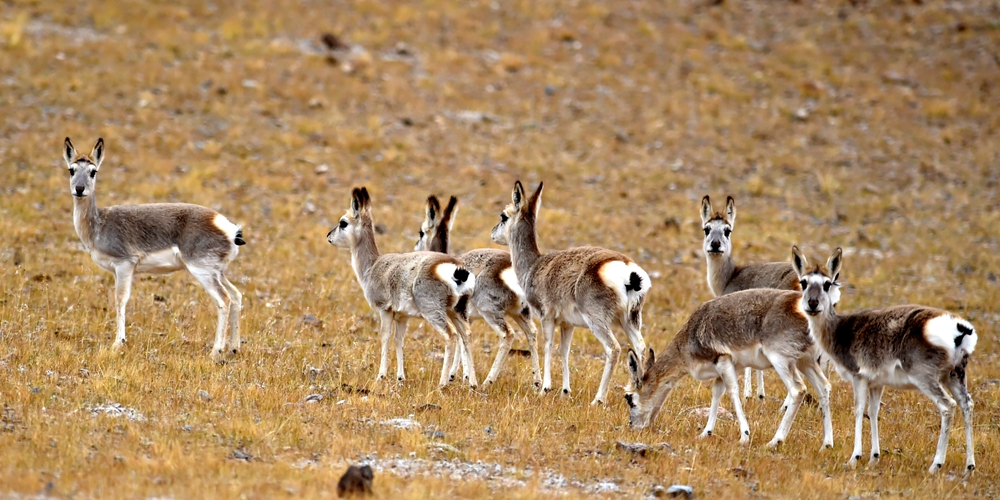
<point x="962" y="332"/>
<point x="461" y="275"/>
<point x="239" y="237"/>
<point x="634" y="283"/>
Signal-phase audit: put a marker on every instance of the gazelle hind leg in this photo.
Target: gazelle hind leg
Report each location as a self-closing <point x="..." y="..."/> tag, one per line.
<point x="790" y="375"/>
<point x="549" y="333"/>
<point x="814" y="374"/>
<point x="400" y="327"/>
<point x="860" y="386"/>
<point x="439" y="321"/>
<point x="718" y="389"/>
<point x="956" y="385"/>
<point x="211" y="280"/>
<point x="235" y="343"/>
<point x="747" y="383"/>
<point x="565" y="341"/>
<point x="728" y="372"/>
<point x="123" y="290"/>
<point x="499" y="325"/>
<point x="468" y="367"/>
<point x="528" y="327"/>
<point x="456" y="361"/>
<point x="760" y="385"/>
<point x="946" y="407"/>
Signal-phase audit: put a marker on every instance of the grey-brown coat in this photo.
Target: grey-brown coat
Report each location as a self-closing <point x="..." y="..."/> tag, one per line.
<point x="758" y="328"/>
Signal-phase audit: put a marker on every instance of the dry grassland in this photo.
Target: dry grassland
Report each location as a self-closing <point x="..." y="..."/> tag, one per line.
<point x="868" y="125"/>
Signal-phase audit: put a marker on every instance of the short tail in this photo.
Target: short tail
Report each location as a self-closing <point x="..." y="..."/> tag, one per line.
<point x="464" y="280"/>
<point x="238" y="238"/>
<point x="965" y="341"/>
<point x="634" y="283"/>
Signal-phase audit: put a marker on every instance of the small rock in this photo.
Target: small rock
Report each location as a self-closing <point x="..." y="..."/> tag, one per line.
<point x="35" y="390"/>
<point x="428" y="407"/>
<point x="332" y="42"/>
<point x="356" y="481"/>
<point x="84" y="373"/>
<point x="309" y="208"/>
<point x="680" y="490"/>
<point x="635" y="448"/>
<point x="314" y="398"/>
<point x="380" y="229"/>
<point x="402" y="423"/>
<point x="550" y="90"/>
<point x="434" y="434"/>
<point x="241" y="455"/>
<point x="801" y="114"/>
<point x="489" y="431"/>
<point x="992" y="278"/>
<point x="322" y="169"/>
<point x="187" y="428"/>
<point x="311" y="320"/>
<point x="203" y="394"/>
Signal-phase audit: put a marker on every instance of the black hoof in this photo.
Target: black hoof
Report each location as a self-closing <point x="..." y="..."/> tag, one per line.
<point x="761" y="396"/>
<point x="857" y="457"/>
<point x="709" y="433"/>
<point x="875" y="455"/>
<point x="971" y="467"/>
<point x="565" y="391"/>
<point x="746" y="433"/>
<point x="400" y="379"/>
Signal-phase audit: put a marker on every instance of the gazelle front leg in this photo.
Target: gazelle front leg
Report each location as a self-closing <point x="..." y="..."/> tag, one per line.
<point x="612" y="350"/>
<point x="747" y="383"/>
<point x="718" y="389"/>
<point x="469" y="368"/>
<point x="874" y="401"/>
<point x="528" y="327"/>
<point x="123" y="290"/>
<point x="384" y="335"/>
<point x="760" y="385"/>
<point x="860" y="400"/>
<point x="565" y="341"/>
<point x="549" y="333"/>
<point x="499" y="325"/>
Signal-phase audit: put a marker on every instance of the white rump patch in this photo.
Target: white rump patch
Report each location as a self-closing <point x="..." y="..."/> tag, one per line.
<point x="617" y="274"/>
<point x="941" y="331"/>
<point x="446" y="273"/>
<point x="227" y="227"/>
<point x="509" y="278"/>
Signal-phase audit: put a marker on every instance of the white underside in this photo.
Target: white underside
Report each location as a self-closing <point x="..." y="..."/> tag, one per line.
<point x="752" y="357"/>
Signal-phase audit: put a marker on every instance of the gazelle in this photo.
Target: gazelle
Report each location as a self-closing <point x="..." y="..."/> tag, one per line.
<point x="585" y="287"/>
<point x="759" y="328"/>
<point x="724" y="276"/>
<point x="904" y="347"/>
<point x="156" y="238"/>
<point x="400" y="286"/>
<point x="497" y="294"/>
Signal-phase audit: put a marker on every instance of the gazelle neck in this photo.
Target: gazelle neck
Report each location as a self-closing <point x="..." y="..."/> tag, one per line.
<point x="720" y="271"/>
<point x="86" y="218"/>
<point x="823" y="327"/>
<point x="524" y="251"/>
<point x="364" y="252"/>
<point x="440" y="241"/>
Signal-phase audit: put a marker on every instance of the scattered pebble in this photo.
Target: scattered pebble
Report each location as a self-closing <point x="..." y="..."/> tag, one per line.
<point x="680" y="490"/>
<point x="402" y="423"/>
<point x="314" y="398"/>
<point x="204" y="395"/>
<point x="116" y="410"/>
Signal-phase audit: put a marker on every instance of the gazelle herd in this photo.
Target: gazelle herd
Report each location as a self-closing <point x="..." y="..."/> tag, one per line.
<point x="776" y="316"/>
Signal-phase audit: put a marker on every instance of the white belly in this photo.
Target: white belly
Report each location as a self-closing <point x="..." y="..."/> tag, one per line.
<point x="571" y="314"/>
<point x="751" y="358"/>
<point x="162" y="262"/>
<point x="890" y="375"/>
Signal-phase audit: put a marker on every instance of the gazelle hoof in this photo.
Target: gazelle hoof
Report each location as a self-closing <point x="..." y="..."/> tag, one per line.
<point x="773" y="444"/>
<point x="705" y="434"/>
<point x="935" y="467"/>
<point x="400" y="378"/>
<point x="595" y="402"/>
<point x="853" y="462"/>
<point x="216" y="354"/>
<point x="566" y="392"/>
<point x="969" y="469"/>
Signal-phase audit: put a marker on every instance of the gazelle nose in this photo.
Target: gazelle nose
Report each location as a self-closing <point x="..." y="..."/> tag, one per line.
<point x="716" y="244"/>
<point x="79" y="190"/>
<point x="813" y="304"/>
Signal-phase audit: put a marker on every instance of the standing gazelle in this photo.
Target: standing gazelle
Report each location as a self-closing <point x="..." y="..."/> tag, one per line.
<point x="497" y="294"/>
<point x="401" y="286"/>
<point x="724" y="276"/>
<point x="156" y="238"/>
<point x="759" y="328"/>
<point x="587" y="287"/>
<point x="904" y="347"/>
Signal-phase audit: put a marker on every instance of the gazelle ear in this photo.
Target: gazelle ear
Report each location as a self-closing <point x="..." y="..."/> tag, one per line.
<point x="634" y="370"/>
<point x="799" y="261"/>
<point x="730" y="210"/>
<point x="448" y="216"/>
<point x="356" y="202"/>
<point x="366" y="200"/>
<point x="536" y="199"/>
<point x="517" y="195"/>
<point x="706" y="210"/>
<point x="649" y="360"/>
<point x="69" y="152"/>
<point x="833" y="264"/>
<point x="433" y="209"/>
<point x="98" y="153"/>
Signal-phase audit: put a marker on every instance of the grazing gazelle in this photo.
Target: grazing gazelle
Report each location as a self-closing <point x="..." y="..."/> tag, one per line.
<point x="497" y="294"/>
<point x="585" y="287"/>
<point x="724" y="276"/>
<point x="759" y="328"/>
<point x="401" y="286"/>
<point x="157" y="238"/>
<point x="904" y="347"/>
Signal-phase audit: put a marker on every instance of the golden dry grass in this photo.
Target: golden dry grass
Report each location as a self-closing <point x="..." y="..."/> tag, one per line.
<point x="872" y="127"/>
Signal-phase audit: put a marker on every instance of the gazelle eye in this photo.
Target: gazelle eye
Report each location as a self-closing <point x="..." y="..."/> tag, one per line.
<point x="503" y="217"/>
<point x="72" y="171"/>
<point x="727" y="232"/>
<point x="628" y="399"/>
<point x="707" y="230"/>
<point x="421" y="233"/>
<point x="93" y="173"/>
<point x="803" y="284"/>
<point x="826" y="286"/>
<point x="343" y="224"/>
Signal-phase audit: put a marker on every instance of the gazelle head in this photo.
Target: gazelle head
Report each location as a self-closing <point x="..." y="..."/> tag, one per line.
<point x="520" y="209"/>
<point x="436" y="229"/>
<point x="356" y="220"/>
<point x="718" y="227"/>
<point x="83" y="168"/>
<point x="646" y="391"/>
<point x="820" y="290"/>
